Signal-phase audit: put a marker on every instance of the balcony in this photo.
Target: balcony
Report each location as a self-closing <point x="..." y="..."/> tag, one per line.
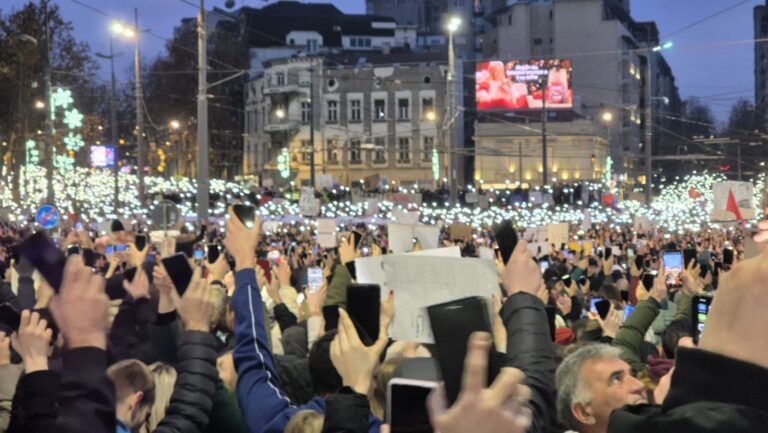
<point x="281" y="125"/>
<point x="289" y="84"/>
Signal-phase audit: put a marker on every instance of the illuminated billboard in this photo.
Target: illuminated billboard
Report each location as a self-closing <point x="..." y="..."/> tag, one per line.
<point x="102" y="156"/>
<point x="523" y="85"/>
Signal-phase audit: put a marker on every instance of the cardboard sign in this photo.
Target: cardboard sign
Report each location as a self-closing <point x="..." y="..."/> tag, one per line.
<point x="460" y="231"/>
<point x="308" y="204"/>
<point x="326" y="233"/>
<point x="557" y="234"/>
<point x="406" y="217"/>
<point x="743" y="195"/>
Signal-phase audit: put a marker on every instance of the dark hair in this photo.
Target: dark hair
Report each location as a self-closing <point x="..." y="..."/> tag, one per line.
<point x="325" y="378"/>
<point x="671" y="336"/>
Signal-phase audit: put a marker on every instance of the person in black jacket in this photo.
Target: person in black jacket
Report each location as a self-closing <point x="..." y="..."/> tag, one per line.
<point x="529" y="344"/>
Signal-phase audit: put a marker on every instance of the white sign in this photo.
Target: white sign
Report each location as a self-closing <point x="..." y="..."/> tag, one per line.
<point x="372" y="207"/>
<point x="586" y="222"/>
<point x="421" y="281"/>
<point x="486" y="253"/>
<point x="557" y="234"/>
<point x="401" y="237"/>
<point x="471" y="197"/>
<point x="326" y="232"/>
<point x="743" y="194"/>
<point x="308" y="204"/>
<point x="406" y="217"/>
<point x="325" y="181"/>
<point x="370" y="270"/>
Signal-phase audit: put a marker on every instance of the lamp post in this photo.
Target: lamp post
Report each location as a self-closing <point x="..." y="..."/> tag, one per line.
<point x="452" y="26"/>
<point x="113" y="114"/>
<point x="133" y="33"/>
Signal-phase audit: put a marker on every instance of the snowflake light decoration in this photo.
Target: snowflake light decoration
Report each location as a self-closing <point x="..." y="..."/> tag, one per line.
<point x="61" y="98"/>
<point x="73" y="118"/>
<point x="64" y="163"/>
<point x="284" y="163"/>
<point x="74" y="142"/>
<point x="435" y="165"/>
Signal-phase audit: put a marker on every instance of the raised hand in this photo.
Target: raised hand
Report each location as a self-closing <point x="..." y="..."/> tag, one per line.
<point x="612" y="322"/>
<point x="353" y="360"/>
<point x="139" y="287"/>
<point x="196" y="306"/>
<point x="135" y="257"/>
<point x="5" y="349"/>
<point x="692" y="282"/>
<point x="498" y="409"/>
<point x="347" y="251"/>
<point x="241" y="242"/>
<point x="522" y="274"/>
<point x="218" y="269"/>
<point x="81" y="308"/>
<point x="316" y="299"/>
<point x="33" y="341"/>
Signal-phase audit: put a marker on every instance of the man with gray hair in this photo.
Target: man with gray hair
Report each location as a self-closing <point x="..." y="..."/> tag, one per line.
<point x="592" y="383"/>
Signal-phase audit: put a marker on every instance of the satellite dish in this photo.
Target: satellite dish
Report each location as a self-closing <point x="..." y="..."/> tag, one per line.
<point x="229" y="4"/>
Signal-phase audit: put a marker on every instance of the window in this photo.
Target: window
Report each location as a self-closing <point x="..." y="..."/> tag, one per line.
<point x="306" y="114"/>
<point x="333" y="112"/>
<point x="354" y="110"/>
<point x="537" y="41"/>
<point x="292" y="42"/>
<point x="403" y="150"/>
<point x="355" y="152"/>
<point x="368" y="43"/>
<point x="330" y="149"/>
<point x="380" y="156"/>
<point x="312" y="45"/>
<point x="403" y="109"/>
<point x="306" y="151"/>
<point x="509" y="19"/>
<point x="429" y="145"/>
<point x="379" y="109"/>
<point x="353" y="42"/>
<point x="428" y="109"/>
<point x="281" y="79"/>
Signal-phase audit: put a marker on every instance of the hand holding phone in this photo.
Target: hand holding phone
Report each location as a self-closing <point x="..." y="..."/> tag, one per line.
<point x="314" y="279"/>
<point x="178" y="269"/>
<point x="407" y="405"/>
<point x="246" y="214"/>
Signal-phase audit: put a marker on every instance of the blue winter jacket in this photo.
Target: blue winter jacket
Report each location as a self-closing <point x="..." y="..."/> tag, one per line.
<point x="265" y="408"/>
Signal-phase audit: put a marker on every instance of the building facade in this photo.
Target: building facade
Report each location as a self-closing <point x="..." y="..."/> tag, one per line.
<point x="376" y="115"/>
<point x="761" y="63"/>
<point x="608" y="51"/>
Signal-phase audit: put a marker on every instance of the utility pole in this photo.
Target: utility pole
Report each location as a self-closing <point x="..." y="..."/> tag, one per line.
<point x="520" y="162"/>
<point x="202" y="116"/>
<point x="311" y="125"/>
<point x="450" y="105"/>
<point x="113" y="115"/>
<point x="544" y="133"/>
<point x="139" y="113"/>
<point x="49" y="130"/>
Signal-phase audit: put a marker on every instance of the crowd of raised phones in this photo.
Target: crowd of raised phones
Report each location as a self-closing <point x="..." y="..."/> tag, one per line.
<point x="236" y="330"/>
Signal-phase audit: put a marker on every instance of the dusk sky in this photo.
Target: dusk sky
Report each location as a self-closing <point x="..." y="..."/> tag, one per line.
<point x="712" y="60"/>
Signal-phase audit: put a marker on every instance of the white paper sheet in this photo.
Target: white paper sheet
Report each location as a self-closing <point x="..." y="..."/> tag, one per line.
<point x="486" y="253"/>
<point x="370" y="270"/>
<point x="326" y="232"/>
<point x="420" y="281"/>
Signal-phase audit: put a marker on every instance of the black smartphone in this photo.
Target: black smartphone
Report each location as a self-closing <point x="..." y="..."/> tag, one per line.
<point x="130" y="274"/>
<point x="648" y="279"/>
<point x="567" y="280"/>
<point x="700" y="309"/>
<point x="363" y="306"/>
<point x="331" y="317"/>
<point x="89" y="257"/>
<point x="601" y="307"/>
<point x="10" y="316"/>
<point x="689" y="255"/>
<point x="178" y="269"/>
<point x="506" y="239"/>
<point x="358" y="238"/>
<point x="45" y="257"/>
<point x="624" y="295"/>
<point x="141" y="242"/>
<point x="114" y="287"/>
<point x="551" y="316"/>
<point x="407" y="405"/>
<point x="583" y="280"/>
<point x="246" y="214"/>
<point x="213" y="252"/>
<point x="727" y="256"/>
<point x="452" y="324"/>
<point x="73" y="249"/>
<point x="639" y="262"/>
<point x="608" y="252"/>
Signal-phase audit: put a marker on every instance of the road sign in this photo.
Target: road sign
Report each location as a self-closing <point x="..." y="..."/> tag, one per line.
<point x="165" y="215"/>
<point x="47" y="216"/>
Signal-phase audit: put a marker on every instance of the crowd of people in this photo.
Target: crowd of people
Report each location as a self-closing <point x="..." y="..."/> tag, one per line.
<point x="231" y="331"/>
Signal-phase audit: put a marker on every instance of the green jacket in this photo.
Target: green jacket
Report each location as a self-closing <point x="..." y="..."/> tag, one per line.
<point x="225" y="414"/>
<point x="631" y="336"/>
<point x="337" y="290"/>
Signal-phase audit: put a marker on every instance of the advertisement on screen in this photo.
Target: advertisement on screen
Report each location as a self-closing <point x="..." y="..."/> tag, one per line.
<point x="523" y="85"/>
<point x="102" y="156"/>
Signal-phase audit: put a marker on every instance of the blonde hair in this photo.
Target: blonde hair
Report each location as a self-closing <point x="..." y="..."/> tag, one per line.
<point x="165" y="380"/>
<point x="385" y="373"/>
<point x="305" y="421"/>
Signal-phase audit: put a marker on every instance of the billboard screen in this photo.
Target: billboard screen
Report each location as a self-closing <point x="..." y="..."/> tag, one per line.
<point x="102" y="156"/>
<point x="517" y="85"/>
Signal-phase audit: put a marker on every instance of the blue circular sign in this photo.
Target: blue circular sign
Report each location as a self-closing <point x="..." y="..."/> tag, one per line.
<point x="47" y="216"/>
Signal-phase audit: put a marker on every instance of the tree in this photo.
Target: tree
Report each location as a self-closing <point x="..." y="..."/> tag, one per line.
<point x="22" y="74"/>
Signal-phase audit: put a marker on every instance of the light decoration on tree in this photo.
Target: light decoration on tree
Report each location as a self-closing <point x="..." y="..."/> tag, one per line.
<point x="64" y="163"/>
<point x="60" y="98"/>
<point x="73" y="118"/>
<point x="284" y="163"/>
<point x="32" y="154"/>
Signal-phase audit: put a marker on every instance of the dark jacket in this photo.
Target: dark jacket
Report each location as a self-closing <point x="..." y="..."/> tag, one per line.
<point x="225" y="415"/>
<point x="192" y="398"/>
<point x="710" y="393"/>
<point x="129" y="335"/>
<point x="530" y="349"/>
<point x="347" y="412"/>
<point x="87" y="395"/>
<point x="632" y="334"/>
<point x="34" y="404"/>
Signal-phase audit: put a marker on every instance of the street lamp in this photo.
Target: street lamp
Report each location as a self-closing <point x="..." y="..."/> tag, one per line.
<point x="452" y="25"/>
<point x="280" y="113"/>
<point x="132" y="33"/>
<point x="648" y="119"/>
<point x="175" y="124"/>
<point x="39" y="104"/>
<point x="430" y="116"/>
<point x="607" y="116"/>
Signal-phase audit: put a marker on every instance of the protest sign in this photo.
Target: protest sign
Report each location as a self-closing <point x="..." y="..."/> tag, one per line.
<point x="370" y="270"/>
<point x="401" y="237"/>
<point x="308" y="204"/>
<point x="326" y="232"/>
<point x="557" y="234"/>
<point x="460" y="231"/>
<point x="732" y="201"/>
